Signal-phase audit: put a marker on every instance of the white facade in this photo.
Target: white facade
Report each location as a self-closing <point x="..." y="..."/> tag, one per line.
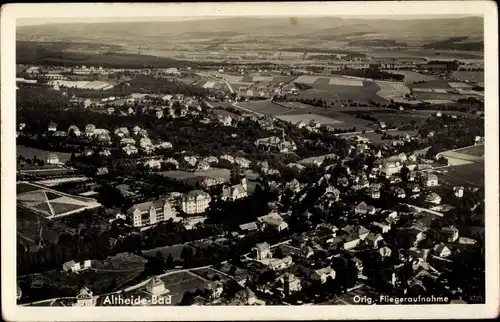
<point x="195" y="202"/>
<point x="150" y="213"/>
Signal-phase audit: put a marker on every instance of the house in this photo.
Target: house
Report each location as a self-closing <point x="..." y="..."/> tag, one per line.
<point x="291" y="283"/>
<point x="153" y="164"/>
<point x="373" y="240"/>
<point x="202" y="165"/>
<point x="399" y="193"/>
<point x="349" y="242"/>
<point x="164" y="145"/>
<point x="263" y="251"/>
<point x="323" y="274"/>
<point x="381" y="227"/>
<point x="190" y="160"/>
<point x="52" y="159"/>
<point x="225" y="120"/>
<point x="127" y="141"/>
<point x="74" y="130"/>
<point x="306" y="251"/>
<point x="246" y="297"/>
<point x="159" y="114"/>
<point x="60" y="134"/>
<point x="300" y="124"/>
<point x="235" y="192"/>
<point x="215" y="289"/>
<point x="281" y="263"/>
<point x="430" y="180"/>
<point x="102" y="171"/>
<point x="449" y="234"/>
<point x="145" y="143"/>
<point x="442" y="250"/>
<point x="88" y="152"/>
<point x="74" y="267"/>
<point x="122" y="132"/>
<point x="273" y="220"/>
<point x="151" y="212"/>
<point x="358" y="263"/>
<point x="156" y="286"/>
<point x="110" y="110"/>
<point x="466" y="241"/>
<point x="89" y="130"/>
<point x="195" y="202"/>
<point x="458" y="191"/>
<point x="360" y="231"/>
<point x="433" y="198"/>
<point x="415" y="235"/>
<point x="84" y="297"/>
<point x="363" y="209"/>
<point x="374" y="191"/>
<point x="130" y="149"/>
<point x="385" y="252"/>
<point x="52" y="127"/>
<point x="105" y="152"/>
<point x="251" y="226"/>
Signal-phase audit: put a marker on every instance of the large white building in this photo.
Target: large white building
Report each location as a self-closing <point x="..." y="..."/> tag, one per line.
<point x="151" y="212"/>
<point x="195" y="202"/>
<point x="235" y="192"/>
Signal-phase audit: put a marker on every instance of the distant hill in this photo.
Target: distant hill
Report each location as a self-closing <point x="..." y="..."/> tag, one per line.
<point x="300" y="28"/>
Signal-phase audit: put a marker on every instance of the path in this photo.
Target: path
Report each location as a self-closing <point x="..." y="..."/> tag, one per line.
<point x="425" y="210"/>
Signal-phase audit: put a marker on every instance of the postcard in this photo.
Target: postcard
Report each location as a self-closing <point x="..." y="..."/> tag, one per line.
<point x="242" y="161"/>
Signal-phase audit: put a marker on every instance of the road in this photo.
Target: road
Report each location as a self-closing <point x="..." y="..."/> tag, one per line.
<point x="425" y="210"/>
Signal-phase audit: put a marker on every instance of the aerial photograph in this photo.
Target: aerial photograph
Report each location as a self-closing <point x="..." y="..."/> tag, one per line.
<point x="250" y="160"/>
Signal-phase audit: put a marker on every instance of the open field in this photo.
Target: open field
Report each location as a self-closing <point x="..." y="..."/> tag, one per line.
<point x="28" y="152"/>
<point x="392" y="90"/>
<point x="474" y="154"/>
<point x="396" y="118"/>
<point x="411" y="76"/>
<point x="265" y="107"/>
<point x="475" y="150"/>
<point x="472" y="174"/>
<point x="438" y="83"/>
<point x="188" y="175"/>
<point x="306" y="118"/>
<point x="437" y="96"/>
<point x="174" y="250"/>
<point x="470" y="76"/>
<point x="324" y="90"/>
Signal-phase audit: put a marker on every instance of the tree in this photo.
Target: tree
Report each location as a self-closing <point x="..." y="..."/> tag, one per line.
<point x="169" y="262"/>
<point x="405" y="172"/>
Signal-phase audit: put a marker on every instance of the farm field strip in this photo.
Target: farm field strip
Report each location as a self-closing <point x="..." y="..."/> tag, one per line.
<point x="458" y="85"/>
<point x="306" y="118"/>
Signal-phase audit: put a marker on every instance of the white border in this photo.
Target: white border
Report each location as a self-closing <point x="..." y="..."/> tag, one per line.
<point x="10" y="12"/>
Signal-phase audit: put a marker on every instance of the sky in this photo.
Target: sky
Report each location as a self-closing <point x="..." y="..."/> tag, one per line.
<point x="40" y="21"/>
